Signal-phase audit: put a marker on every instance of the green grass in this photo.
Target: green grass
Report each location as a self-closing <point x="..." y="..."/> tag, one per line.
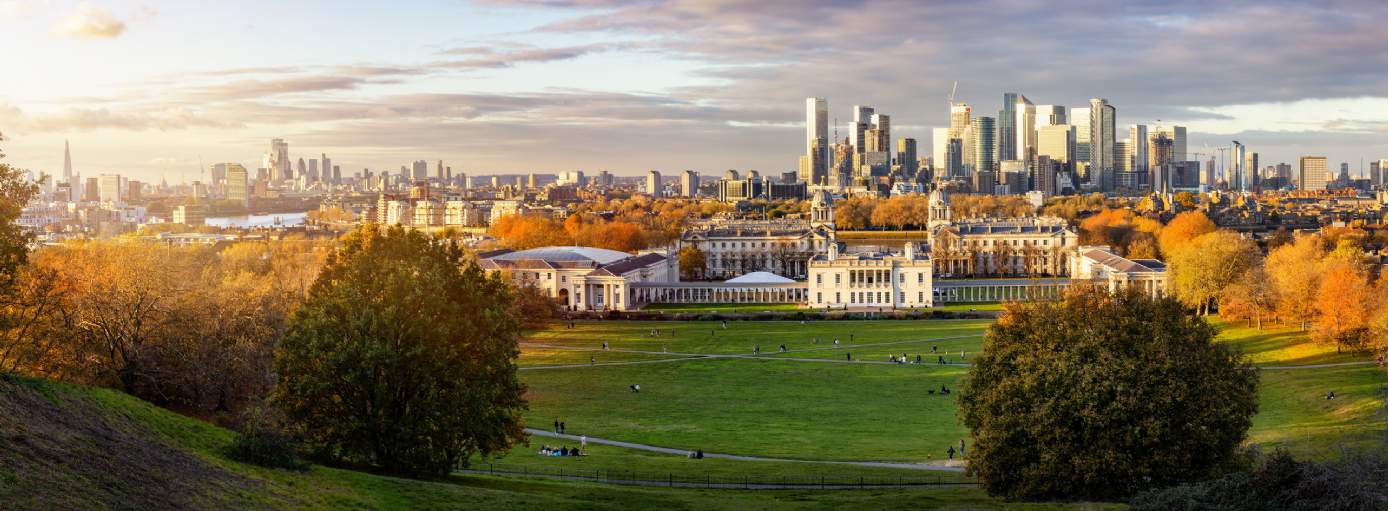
<point x="969" y="306"/>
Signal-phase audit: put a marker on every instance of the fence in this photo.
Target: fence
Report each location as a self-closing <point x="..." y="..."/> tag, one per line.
<point x="746" y="481"/>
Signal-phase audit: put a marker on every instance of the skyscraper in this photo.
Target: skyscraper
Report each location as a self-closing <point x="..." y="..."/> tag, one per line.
<point x="108" y="188"/>
<point x="1250" y="169"/>
<point x="816" y="140"/>
<point x="939" y="151"/>
<point x="1137" y="136"/>
<point x="1178" y="140"/>
<point x="1057" y="142"/>
<point x="1312" y="174"/>
<point x="1026" y="130"/>
<point x="689" y="183"/>
<point x="862" y="116"/>
<point x="653" y="184"/>
<point x="277" y="160"/>
<point x="1238" y="178"/>
<point x="1079" y="118"/>
<point x="328" y="174"/>
<point x="984" y="152"/>
<point x="1102" y="127"/>
<point x="1051" y="115"/>
<point x="906" y="155"/>
<point x="419" y="170"/>
<point x="1007" y="127"/>
<point x="880" y="139"/>
<point x="67" y="163"/>
<point x="959" y="115"/>
<point x="238" y="183"/>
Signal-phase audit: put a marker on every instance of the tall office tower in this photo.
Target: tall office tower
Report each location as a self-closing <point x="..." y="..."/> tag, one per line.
<point x="303" y="169"/>
<point x="689" y="183"/>
<point x="1237" y="175"/>
<point x="238" y="183"/>
<point x="1137" y="148"/>
<point x="1312" y="174"/>
<point x="67" y="163"/>
<point x="439" y="172"/>
<point x="1375" y="174"/>
<point x="1026" y="130"/>
<point x="1057" y="143"/>
<point x="653" y="184"/>
<point x="1123" y="148"/>
<point x="959" y="120"/>
<point x="1383" y="173"/>
<point x="816" y="140"/>
<point x="966" y="147"/>
<point x="1250" y="169"/>
<point x="1103" y="119"/>
<point x="419" y="170"/>
<point x="906" y="155"/>
<point x="531" y="181"/>
<point x="327" y="168"/>
<point x="1343" y="179"/>
<point x="108" y="188"/>
<point x="337" y="174"/>
<point x="985" y="147"/>
<point x="1051" y="115"/>
<point x="862" y="117"/>
<point x="1161" y="150"/>
<point x="881" y="139"/>
<point x="939" y="148"/>
<point x="1007" y="127"/>
<point x="1211" y="180"/>
<point x="1177" y="134"/>
<point x="954" y="159"/>
<point x="219" y="173"/>
<point x="1079" y="118"/>
<point x="312" y="170"/>
<point x="278" y="161"/>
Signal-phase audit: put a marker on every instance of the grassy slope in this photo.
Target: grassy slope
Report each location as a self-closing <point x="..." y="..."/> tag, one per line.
<point x="330" y="488"/>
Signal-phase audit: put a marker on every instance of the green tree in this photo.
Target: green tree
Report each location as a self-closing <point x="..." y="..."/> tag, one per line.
<point x="403" y="356"/>
<point x="15" y="192"/>
<point x="1098" y="396"/>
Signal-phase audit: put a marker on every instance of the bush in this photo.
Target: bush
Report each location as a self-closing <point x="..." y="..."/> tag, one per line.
<point x="1281" y="483"/>
<point x="264" y="439"/>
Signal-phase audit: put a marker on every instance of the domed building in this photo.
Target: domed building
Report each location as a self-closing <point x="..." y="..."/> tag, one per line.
<point x="784" y="246"/>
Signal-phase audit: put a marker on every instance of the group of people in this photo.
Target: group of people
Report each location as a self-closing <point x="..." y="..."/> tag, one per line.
<point x="559" y="426"/>
<point x="950" y="452"/>
<point x="903" y="359"/>
<point x="697" y="454"/>
<point x="943" y="391"/>
<point x="546" y="450"/>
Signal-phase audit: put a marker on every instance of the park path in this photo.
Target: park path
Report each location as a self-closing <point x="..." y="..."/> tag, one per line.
<point x="737" y="457"/>
<point x="1317" y="366"/>
<point x="683" y="356"/>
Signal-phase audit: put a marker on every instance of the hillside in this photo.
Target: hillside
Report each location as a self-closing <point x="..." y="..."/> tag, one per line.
<point x="70" y="447"/>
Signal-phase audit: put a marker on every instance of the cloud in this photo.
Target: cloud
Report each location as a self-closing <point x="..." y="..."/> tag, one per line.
<point x="481" y="57"/>
<point x="90" y="21"/>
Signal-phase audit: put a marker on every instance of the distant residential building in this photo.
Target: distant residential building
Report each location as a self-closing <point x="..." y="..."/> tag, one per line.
<point x="1311" y="175"/>
<point x="238" y="184"/>
<point x="653" y="185"/>
<point x="109" y="189"/>
<point x="689" y="183"/>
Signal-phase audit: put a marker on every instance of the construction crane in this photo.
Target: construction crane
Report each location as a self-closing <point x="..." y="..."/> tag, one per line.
<point x="952" y="90"/>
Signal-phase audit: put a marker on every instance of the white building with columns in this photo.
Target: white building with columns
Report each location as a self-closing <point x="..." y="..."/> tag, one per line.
<point x="870" y="279"/>
<point x="733" y="247"/>
<point x="583" y="278"/>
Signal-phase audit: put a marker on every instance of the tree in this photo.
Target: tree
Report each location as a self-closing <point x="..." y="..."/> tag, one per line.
<point x="1294" y="270"/>
<point x="1251" y="297"/>
<point x="692" y="263"/>
<point x="403" y="356"/>
<point x="1345" y="303"/>
<point x="1202" y="268"/>
<point x="1182" y="230"/>
<point x="15" y="192"/>
<point x="1098" y="396"/>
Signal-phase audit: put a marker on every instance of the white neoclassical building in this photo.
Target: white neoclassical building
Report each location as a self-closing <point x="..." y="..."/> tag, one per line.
<point x="870" y="279"/>
<point x="998" y="247"/>
<point x="1098" y="264"/>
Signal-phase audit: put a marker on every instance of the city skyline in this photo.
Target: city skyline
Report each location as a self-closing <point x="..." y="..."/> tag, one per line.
<point x="481" y="86"/>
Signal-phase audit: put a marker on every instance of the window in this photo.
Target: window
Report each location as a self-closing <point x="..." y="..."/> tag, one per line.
<point x="563" y="278"/>
<point x="903" y="297"/>
<point x="852" y="297"/>
<point x="836" y="298"/>
<point x="819" y="279"/>
<point x="838" y="278"/>
<point x="818" y="298"/>
<point x="920" y="297"/>
<point x="920" y="278"/>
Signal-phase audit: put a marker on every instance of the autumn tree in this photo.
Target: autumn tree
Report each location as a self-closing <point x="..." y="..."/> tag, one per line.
<point x="1250" y="298"/>
<point x="692" y="263"/>
<point x="1182" y="230"/>
<point x="1074" y="398"/>
<point x="1202" y="268"/>
<point x="1345" y="303"/>
<point x="1294" y="270"/>
<point x="22" y="305"/>
<point x="522" y="232"/>
<point x="403" y="356"/>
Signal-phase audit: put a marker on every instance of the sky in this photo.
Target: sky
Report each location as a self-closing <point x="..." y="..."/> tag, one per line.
<point x="160" y="89"/>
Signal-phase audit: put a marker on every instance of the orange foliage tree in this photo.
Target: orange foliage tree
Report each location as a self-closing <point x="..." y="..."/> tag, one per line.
<point x="1345" y="303"/>
<point x="1182" y="229"/>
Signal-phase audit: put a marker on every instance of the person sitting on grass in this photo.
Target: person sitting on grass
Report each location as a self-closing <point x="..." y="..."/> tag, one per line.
<point x="699" y="454"/>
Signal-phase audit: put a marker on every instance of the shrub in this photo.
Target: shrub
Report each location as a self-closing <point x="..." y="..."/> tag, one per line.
<point x="265" y="439"/>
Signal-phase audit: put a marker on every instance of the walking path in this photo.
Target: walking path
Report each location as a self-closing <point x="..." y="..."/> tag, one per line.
<point x="683" y="452"/>
<point x="683" y="356"/>
<point x="598" y="478"/>
<point x="1318" y="366"/>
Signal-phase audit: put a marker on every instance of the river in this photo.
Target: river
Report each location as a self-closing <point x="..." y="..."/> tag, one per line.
<point x="247" y="221"/>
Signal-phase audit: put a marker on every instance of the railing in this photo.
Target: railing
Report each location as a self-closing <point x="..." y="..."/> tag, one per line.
<point x="746" y="481"/>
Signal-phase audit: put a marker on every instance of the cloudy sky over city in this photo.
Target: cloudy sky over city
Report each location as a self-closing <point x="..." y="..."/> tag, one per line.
<point x="153" y="88"/>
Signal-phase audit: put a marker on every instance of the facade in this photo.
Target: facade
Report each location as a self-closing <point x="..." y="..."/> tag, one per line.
<point x="870" y="279"/>
<point x="984" y="150"/>
<point x="689" y="183"/>
<point x="736" y="247"/>
<point x="1311" y="176"/>
<point x="816" y="140"/>
<point x="583" y="278"/>
<point x="1026" y="131"/>
<point x="1035" y="246"/>
<point x="108" y="188"/>
<point x="1102" y="159"/>
<point x="1007" y="127"/>
<point x="1101" y="266"/>
<point x="653" y="184"/>
<point x="238" y="184"/>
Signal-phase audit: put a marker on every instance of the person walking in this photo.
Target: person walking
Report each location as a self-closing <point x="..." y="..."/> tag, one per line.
<point x="563" y="428"/>
<point x="556" y="425"/>
<point x="961" y="447"/>
<point x="950" y="452"/>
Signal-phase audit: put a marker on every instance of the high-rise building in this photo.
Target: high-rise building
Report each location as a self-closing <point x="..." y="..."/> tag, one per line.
<point x="328" y="174"/>
<point x="439" y="172"/>
<point x="312" y="175"/>
<point x="1237" y="175"/>
<point x="1311" y="176"/>
<point x="1051" y="115"/>
<point x="109" y="188"/>
<point x="1007" y="127"/>
<point x="906" y="155"/>
<point x="238" y="183"/>
<point x="1026" y="130"/>
<point x="419" y="170"/>
<point x="1161" y="150"/>
<point x="1057" y="142"/>
<point x="1250" y="169"/>
<point x="1103" y="119"/>
<point x="689" y="183"/>
<point x="939" y="151"/>
<point x="67" y="163"/>
<point x="1137" y="148"/>
<point x="1177" y="134"/>
<point x="984" y="149"/>
<point x="277" y="160"/>
<point x="959" y="115"/>
<point x="862" y="117"/>
<point x="653" y="184"/>
<point x="1382" y="180"/>
<point x="1079" y="118"/>
<point x="816" y="140"/>
<point x="879" y="135"/>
